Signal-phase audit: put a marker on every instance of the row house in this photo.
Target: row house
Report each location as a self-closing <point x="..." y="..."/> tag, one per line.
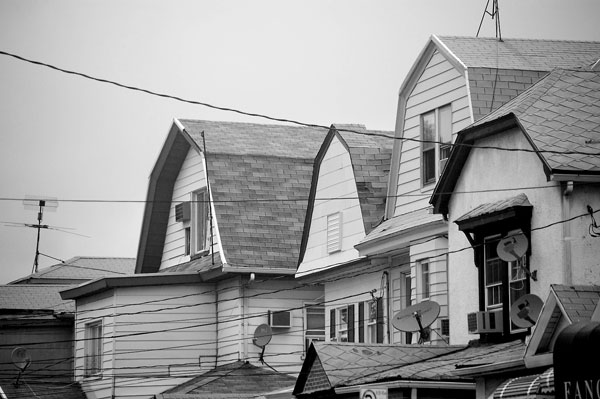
<point x="214" y="292"/>
<point x="454" y="82"/>
<point x="526" y="177"/>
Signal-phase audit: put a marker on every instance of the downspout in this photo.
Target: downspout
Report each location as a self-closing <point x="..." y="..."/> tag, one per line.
<point x="387" y="304"/>
<point x="217" y="324"/>
<point x="566" y="231"/>
<point x="114" y="361"/>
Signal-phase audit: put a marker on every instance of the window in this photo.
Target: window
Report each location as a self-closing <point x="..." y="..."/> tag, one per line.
<point x="436" y="133"/>
<point x="334" y="232"/>
<point x="500" y="283"/>
<point x="425" y="283"/>
<point x="93" y="348"/>
<point x="188" y="241"/>
<point x="200" y="228"/>
<point x="341" y="324"/>
<point x="315" y="324"/>
<point x="370" y="321"/>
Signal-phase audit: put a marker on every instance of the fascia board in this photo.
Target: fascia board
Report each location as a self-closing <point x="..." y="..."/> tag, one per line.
<point x="495" y="368"/>
<point x="407" y="384"/>
<point x="401" y="239"/>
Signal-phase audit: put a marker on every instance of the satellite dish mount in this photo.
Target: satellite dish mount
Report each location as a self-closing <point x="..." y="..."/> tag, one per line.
<point x="262" y="337"/>
<point x="21" y="360"/>
<point x="512" y="249"/>
<point x="417" y="318"/>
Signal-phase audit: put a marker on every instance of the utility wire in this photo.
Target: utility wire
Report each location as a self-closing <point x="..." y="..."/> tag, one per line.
<point x="276" y="119"/>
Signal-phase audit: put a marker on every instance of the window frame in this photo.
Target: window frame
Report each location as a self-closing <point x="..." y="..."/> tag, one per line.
<point x="93" y="349"/>
<point x="436" y="143"/>
<point x="424" y="270"/>
<point x="200" y="223"/>
<point x="316" y="334"/>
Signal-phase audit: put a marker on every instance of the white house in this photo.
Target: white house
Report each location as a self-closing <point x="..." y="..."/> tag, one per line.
<point x="218" y="251"/>
<point x="453" y="83"/>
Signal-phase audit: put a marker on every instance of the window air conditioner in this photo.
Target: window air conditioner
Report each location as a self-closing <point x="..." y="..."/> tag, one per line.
<point x="485" y="322"/>
<point x="280" y="319"/>
<point x="182" y="212"/>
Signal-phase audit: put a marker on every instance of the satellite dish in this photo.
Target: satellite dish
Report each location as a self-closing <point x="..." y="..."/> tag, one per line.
<point x="20" y="358"/>
<point x="525" y="311"/>
<point x="262" y="335"/>
<point x="416" y="317"/>
<point x="513" y="247"/>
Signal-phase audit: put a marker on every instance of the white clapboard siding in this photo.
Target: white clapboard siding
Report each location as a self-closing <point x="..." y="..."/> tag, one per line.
<point x="157" y="334"/>
<point x="336" y="180"/>
<point x="440" y="84"/>
<point x="284" y="352"/>
<point x="229" y="312"/>
<point x="191" y="178"/>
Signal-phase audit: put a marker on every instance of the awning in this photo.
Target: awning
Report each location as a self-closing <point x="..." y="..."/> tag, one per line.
<point x="528" y="387"/>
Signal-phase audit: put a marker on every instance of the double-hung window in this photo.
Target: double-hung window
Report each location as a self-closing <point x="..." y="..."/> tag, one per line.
<point x="200" y="218"/>
<point x="341" y="324"/>
<point x="436" y="136"/>
<point x="93" y="349"/>
<point x="315" y="324"/>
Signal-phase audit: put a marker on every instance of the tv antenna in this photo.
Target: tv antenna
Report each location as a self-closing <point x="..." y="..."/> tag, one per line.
<point x="417" y="318"/>
<point x="21" y="359"/>
<point x="40" y="204"/>
<point x="512" y="248"/>
<point x="495" y="13"/>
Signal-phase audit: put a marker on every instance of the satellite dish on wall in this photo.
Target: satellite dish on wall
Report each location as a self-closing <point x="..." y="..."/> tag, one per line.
<point x="20" y="358"/>
<point x="525" y="311"/>
<point x="417" y="318"/>
<point x="262" y="335"/>
<point x="513" y="247"/>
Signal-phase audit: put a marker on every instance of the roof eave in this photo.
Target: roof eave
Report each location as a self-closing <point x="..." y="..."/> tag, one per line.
<point x="494" y="368"/>
<point x="407" y="384"/>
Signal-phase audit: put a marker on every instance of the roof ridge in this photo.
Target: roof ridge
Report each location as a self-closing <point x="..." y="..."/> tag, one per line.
<point x="521" y="39"/>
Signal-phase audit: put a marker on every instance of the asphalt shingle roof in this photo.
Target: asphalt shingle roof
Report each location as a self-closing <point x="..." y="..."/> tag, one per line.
<point x="234" y="380"/>
<point x="82" y="268"/>
<point x="370" y="154"/>
<point x="46" y="390"/>
<point x="260" y="177"/>
<point x="561" y="113"/>
<point x="489" y="208"/>
<point x="578" y="301"/>
<point x="523" y="54"/>
<point x="30" y="297"/>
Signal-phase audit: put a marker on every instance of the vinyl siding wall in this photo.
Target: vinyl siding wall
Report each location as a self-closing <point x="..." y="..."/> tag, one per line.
<point x="191" y="178"/>
<point x="164" y="334"/>
<point x="440" y="84"/>
<point x="336" y="180"/>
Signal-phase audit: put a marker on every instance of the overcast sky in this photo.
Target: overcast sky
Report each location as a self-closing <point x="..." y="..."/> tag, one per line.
<point x="93" y="145"/>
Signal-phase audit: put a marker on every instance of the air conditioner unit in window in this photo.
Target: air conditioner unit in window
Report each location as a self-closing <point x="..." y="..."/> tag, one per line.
<point x="485" y="322"/>
<point x="280" y="319"/>
<point x="182" y="212"/>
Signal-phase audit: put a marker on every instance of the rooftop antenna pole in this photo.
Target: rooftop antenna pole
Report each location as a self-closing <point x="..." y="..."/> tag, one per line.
<point x="212" y="250"/>
<point x="495" y="13"/>
<point x="42" y="203"/>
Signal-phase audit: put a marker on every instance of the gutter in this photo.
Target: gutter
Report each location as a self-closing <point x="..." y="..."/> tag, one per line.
<point x="494" y="368"/>
<point x="407" y="384"/>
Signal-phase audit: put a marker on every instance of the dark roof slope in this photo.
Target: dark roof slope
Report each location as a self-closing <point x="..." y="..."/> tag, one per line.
<point x="523" y="54"/>
<point x="80" y="268"/>
<point x="234" y="380"/>
<point x="32" y="297"/>
<point x="260" y="179"/>
<point x="41" y="389"/>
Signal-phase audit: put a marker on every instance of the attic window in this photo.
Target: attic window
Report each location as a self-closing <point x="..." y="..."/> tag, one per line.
<point x="200" y="230"/>
<point x="334" y="232"/>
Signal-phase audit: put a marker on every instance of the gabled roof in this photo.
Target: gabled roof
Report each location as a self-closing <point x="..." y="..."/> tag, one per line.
<point x="231" y="381"/>
<point x="370" y="153"/>
<point x="330" y="365"/>
<point x="79" y="269"/>
<point x="259" y="177"/>
<point x="33" y="297"/>
<point x="564" y="306"/>
<point x="560" y="113"/>
<point x="523" y="54"/>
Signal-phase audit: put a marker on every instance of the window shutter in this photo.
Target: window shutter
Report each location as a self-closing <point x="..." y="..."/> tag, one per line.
<point x="361" y="322"/>
<point x="350" y="323"/>
<point x="379" y="320"/>
<point x="334" y="232"/>
<point x="332" y="324"/>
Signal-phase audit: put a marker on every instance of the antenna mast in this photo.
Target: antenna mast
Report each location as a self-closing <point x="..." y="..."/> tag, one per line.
<point x="495" y="13"/>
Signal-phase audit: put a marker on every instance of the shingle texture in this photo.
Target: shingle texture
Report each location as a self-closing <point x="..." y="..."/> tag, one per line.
<point x="30" y="297"/>
<point x="370" y="154"/>
<point x="45" y="390"/>
<point x="523" y="54"/>
<point x="260" y="178"/>
<point x="561" y="113"/>
<point x="578" y="301"/>
<point x="234" y="380"/>
<point x="81" y="268"/>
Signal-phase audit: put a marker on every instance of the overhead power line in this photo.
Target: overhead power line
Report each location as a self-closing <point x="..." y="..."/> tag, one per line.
<point x="276" y="119"/>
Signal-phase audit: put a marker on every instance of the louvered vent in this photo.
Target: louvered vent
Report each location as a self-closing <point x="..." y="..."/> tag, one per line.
<point x="334" y="232"/>
<point x="182" y="212"/>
